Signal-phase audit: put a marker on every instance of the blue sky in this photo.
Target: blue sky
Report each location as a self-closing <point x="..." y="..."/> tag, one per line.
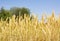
<point x="36" y="6"/>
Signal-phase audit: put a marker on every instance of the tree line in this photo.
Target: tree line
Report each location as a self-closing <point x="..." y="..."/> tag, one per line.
<point x="4" y="13"/>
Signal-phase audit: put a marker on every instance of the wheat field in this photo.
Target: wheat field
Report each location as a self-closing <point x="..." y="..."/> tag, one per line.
<point x="47" y="29"/>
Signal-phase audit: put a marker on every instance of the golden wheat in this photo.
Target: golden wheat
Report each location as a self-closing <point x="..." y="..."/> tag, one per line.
<point x="30" y="30"/>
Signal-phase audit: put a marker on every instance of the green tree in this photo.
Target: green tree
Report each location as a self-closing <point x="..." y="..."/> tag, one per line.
<point x="24" y="11"/>
<point x="15" y="11"/>
<point x="20" y="11"/>
<point x="4" y="13"/>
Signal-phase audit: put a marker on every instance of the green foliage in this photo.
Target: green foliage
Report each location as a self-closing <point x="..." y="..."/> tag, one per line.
<point x="4" y="13"/>
<point x="14" y="11"/>
<point x="20" y="11"/>
<point x="24" y="11"/>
